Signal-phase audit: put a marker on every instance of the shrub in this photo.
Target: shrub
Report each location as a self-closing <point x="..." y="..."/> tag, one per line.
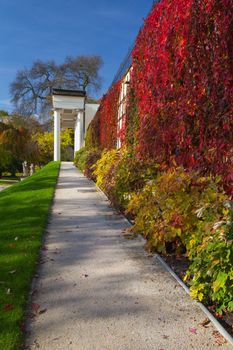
<point x="92" y="139"/>
<point x="120" y="173"/>
<point x="104" y="172"/>
<point x="211" y="272"/>
<point x="91" y="157"/>
<point x="176" y="209"/>
<point x="85" y="159"/>
<point x="80" y="158"/>
<point x="130" y="175"/>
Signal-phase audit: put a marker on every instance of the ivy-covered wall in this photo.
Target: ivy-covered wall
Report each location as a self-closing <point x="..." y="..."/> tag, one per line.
<point x="180" y="103"/>
<point x="183" y="81"/>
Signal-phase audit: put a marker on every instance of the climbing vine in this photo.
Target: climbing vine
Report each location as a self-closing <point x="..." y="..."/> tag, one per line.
<point x="183" y="82"/>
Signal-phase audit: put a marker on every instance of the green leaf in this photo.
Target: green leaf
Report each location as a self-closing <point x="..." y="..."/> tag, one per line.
<point x="230" y="305"/>
<point x="220" y="281"/>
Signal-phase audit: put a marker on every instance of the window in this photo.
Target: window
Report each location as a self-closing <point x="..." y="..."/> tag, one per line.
<point x="122" y="109"/>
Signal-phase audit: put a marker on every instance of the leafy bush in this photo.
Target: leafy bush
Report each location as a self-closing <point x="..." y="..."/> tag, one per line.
<point x="176" y="210"/>
<point x="211" y="272"/>
<point x="45" y="143"/>
<point x="120" y="173"/>
<point x="91" y="157"/>
<point x="92" y="139"/>
<point x="130" y="175"/>
<point x="182" y="212"/>
<point x="80" y="158"/>
<point x="104" y="170"/>
<point x="85" y="159"/>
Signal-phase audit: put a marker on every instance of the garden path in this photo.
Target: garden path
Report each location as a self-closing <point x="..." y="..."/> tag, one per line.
<point x="96" y="290"/>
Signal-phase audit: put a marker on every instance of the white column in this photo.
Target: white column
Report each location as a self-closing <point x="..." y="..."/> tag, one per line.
<point x="78" y="132"/>
<point x="57" y="126"/>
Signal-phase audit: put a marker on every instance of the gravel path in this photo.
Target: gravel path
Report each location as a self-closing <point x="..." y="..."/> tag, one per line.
<point x="96" y="290"/>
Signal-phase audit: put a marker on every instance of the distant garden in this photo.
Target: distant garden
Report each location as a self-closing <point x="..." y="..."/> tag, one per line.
<point x="25" y="140"/>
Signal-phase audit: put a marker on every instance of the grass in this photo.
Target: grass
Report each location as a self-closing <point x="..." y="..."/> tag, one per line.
<point x="24" y="209"/>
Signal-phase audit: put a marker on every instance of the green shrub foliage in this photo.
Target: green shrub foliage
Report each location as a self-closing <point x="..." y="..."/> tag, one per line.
<point x="85" y="159"/>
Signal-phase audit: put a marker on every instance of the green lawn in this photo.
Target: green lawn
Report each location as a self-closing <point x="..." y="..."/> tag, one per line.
<point x="24" y="209"/>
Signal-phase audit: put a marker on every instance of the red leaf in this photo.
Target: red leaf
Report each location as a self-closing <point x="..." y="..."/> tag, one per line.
<point x="193" y="330"/>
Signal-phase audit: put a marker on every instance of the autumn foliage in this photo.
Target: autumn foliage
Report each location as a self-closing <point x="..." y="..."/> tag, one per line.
<point x="181" y="112"/>
<point x="174" y="173"/>
<point x="183" y="81"/>
<point x="108" y="117"/>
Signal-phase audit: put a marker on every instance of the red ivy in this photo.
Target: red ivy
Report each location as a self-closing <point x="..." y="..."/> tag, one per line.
<point x="183" y="81"/>
<point x="103" y="128"/>
<point x="108" y="117"/>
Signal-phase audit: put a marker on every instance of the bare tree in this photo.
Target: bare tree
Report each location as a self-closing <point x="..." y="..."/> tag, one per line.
<point x="32" y="88"/>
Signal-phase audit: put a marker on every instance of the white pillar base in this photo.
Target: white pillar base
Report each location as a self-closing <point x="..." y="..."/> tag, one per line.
<point x="57" y="143"/>
<point x="78" y="132"/>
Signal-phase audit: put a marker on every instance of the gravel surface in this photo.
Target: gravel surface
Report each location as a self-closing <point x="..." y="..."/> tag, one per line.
<point x="97" y="290"/>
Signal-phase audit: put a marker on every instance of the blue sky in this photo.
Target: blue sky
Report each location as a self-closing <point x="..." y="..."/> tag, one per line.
<point x="53" y="29"/>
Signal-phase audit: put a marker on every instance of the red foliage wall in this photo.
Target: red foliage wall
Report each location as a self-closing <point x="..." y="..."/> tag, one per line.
<point x="108" y="113"/>
<point x="183" y="81"/>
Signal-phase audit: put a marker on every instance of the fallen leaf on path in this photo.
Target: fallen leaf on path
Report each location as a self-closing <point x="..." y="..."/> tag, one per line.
<point x="34" y="291"/>
<point x="193" y="330"/>
<point x="8" y="307"/>
<point x="42" y="311"/>
<point x="219" y="339"/>
<point x="205" y="323"/>
<point x="55" y="339"/>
